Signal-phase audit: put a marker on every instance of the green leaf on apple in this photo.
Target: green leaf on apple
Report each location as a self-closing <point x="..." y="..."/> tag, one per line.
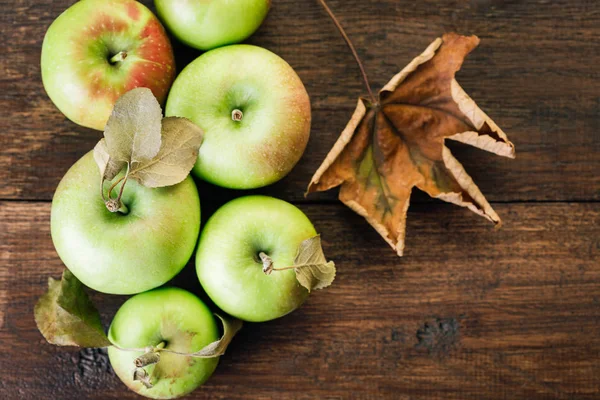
<point x="231" y="327"/>
<point x="66" y="316"/>
<point x="132" y="132"/>
<point x="157" y="151"/>
<point x="313" y="271"/>
<point x="181" y="140"/>
<point x="109" y="168"/>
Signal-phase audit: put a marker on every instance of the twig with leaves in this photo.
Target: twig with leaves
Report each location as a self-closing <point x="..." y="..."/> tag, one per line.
<point x="313" y="271"/>
<point x="66" y="316"/>
<point x="154" y="151"/>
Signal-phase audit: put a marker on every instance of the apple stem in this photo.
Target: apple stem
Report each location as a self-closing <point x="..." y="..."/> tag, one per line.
<point x="116" y="205"/>
<point x="352" y="49"/>
<point x="123" y="206"/>
<point x="120" y="56"/>
<point x="113" y="205"/>
<point x="267" y="263"/>
<point x="149" y="358"/>
<point x="123" y="209"/>
<point x="237" y="115"/>
<point x="140" y="374"/>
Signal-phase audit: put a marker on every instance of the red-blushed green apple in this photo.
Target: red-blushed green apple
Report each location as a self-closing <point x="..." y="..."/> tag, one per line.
<point x="123" y="253"/>
<point x="228" y="263"/>
<point x="174" y="319"/>
<point x="254" y="111"/>
<point x="213" y="23"/>
<point x="97" y="50"/>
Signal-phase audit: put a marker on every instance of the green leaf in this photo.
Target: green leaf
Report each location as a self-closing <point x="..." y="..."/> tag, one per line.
<point x="133" y="129"/>
<point x="66" y="316"/>
<point x="313" y="271"/>
<point x="109" y="168"/>
<point x="231" y="326"/>
<point x="181" y="140"/>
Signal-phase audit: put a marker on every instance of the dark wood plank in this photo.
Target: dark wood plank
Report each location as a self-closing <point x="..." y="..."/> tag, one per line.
<point x="535" y="73"/>
<point x="469" y="313"/>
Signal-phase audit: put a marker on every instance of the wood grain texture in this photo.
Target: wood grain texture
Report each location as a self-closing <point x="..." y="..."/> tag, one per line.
<point x="470" y="312"/>
<point x="510" y="313"/>
<point x="535" y="74"/>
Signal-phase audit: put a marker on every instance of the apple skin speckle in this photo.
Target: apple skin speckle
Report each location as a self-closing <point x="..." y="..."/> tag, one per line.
<point x="133" y="11"/>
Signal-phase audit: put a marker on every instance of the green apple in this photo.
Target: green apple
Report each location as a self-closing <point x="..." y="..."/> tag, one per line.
<point x="208" y="24"/>
<point x="254" y="111"/>
<point x="178" y="320"/>
<point x="228" y="264"/>
<point x="118" y="253"/>
<point x="97" y="50"/>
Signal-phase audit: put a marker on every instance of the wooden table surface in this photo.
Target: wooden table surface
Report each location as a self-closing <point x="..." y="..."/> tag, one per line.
<point x="470" y="312"/>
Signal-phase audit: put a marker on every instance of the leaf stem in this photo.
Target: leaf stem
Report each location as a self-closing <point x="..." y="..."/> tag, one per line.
<point x="102" y="189"/>
<point x="114" y="185"/>
<point x="284" y="268"/>
<point x="145" y="349"/>
<point x="116" y="205"/>
<point x="352" y="49"/>
<point x="157" y="349"/>
<point x="268" y="264"/>
<point x="123" y="209"/>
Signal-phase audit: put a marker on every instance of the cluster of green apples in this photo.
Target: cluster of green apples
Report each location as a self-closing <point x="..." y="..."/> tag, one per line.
<point x="255" y="114"/>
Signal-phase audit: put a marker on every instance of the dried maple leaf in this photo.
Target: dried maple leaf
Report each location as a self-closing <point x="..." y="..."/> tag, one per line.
<point x="396" y="142"/>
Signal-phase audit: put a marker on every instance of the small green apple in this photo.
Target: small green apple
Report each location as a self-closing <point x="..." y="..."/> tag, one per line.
<point x="117" y="253"/>
<point x="213" y="23"/>
<point x="97" y="50"/>
<point x="228" y="264"/>
<point x="178" y="320"/>
<point x="254" y="111"/>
